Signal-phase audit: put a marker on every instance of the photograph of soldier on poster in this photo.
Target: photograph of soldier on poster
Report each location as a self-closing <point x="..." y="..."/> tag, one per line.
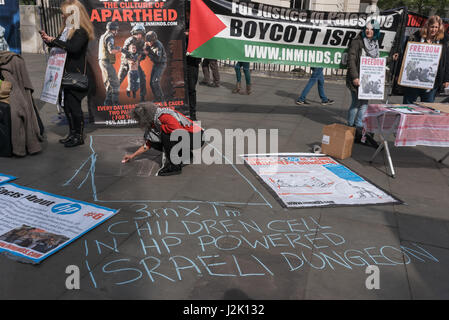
<point x="138" y="56"/>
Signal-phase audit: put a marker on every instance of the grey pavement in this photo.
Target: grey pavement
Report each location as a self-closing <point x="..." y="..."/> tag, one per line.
<point x="233" y="215"/>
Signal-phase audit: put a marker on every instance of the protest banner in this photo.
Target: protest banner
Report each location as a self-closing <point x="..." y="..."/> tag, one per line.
<point x="256" y="32"/>
<point x="35" y="224"/>
<point x="5" y="178"/>
<point x="420" y="65"/>
<point x="305" y="181"/>
<point x="372" y="78"/>
<point x="10" y="26"/>
<point x="145" y="60"/>
<point x="53" y="75"/>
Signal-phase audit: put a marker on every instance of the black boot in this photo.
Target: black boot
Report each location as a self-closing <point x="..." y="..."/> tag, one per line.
<point x="77" y="139"/>
<point x="71" y="129"/>
<point x="170" y="169"/>
<point x="358" y="135"/>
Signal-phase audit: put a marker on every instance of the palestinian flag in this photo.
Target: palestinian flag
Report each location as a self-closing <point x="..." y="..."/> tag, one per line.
<point x="256" y="32"/>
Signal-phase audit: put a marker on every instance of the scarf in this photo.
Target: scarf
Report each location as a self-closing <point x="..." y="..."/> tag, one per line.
<point x="371" y="47"/>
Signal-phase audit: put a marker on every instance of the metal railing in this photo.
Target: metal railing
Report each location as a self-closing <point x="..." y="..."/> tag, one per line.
<point x="279" y="68"/>
<point x="51" y="20"/>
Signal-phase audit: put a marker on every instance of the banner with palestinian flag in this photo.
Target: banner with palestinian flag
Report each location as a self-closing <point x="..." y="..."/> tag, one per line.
<point x="256" y="32"/>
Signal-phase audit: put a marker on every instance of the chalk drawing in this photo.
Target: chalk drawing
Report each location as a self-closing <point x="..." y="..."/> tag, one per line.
<point x="143" y="172"/>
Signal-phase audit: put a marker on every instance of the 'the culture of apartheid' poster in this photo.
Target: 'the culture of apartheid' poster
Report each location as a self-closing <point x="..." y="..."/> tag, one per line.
<point x="137" y="56"/>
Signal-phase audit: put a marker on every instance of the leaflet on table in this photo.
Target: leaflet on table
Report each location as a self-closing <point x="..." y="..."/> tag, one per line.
<point x="6" y="178"/>
<point x="35" y="224"/>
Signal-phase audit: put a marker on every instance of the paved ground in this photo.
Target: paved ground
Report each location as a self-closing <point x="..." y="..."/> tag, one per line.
<point x="125" y="258"/>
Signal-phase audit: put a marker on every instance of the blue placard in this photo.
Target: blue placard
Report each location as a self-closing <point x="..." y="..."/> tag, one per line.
<point x="10" y="26"/>
<point x="343" y="172"/>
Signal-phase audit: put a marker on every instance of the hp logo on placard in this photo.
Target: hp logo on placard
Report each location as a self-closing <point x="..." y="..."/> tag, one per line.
<point x="66" y="208"/>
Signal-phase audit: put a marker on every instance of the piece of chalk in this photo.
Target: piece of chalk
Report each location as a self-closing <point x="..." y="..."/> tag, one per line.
<point x="123" y="161"/>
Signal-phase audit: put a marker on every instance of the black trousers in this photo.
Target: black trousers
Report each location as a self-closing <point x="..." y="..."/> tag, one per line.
<point x="73" y="111"/>
<point x="192" y="79"/>
<point x="166" y="144"/>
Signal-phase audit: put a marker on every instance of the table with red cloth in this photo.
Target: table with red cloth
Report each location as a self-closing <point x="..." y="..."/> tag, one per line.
<point x="429" y="128"/>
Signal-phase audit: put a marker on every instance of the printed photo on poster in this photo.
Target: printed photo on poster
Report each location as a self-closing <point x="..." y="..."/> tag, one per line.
<point x="35" y="224"/>
<point x="372" y="78"/>
<point x="138" y="56"/>
<point x="10" y="26"/>
<point x="420" y="65"/>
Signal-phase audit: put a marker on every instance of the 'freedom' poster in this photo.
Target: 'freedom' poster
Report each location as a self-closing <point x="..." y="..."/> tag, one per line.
<point x="420" y="65"/>
<point x="372" y="78"/>
<point x="256" y="32"/>
<point x="306" y="181"/>
<point x="53" y="75"/>
<point x="138" y="55"/>
<point x="36" y="224"/>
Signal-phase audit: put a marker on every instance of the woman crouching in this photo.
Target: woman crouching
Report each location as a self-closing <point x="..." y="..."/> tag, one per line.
<point x="159" y="123"/>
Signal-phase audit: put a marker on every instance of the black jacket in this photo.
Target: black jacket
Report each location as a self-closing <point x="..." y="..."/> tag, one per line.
<point x="76" y="48"/>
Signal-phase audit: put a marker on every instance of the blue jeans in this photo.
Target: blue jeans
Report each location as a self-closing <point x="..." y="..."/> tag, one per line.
<point x="245" y="66"/>
<point x="317" y="75"/>
<point x="356" y="110"/>
<point x="412" y="94"/>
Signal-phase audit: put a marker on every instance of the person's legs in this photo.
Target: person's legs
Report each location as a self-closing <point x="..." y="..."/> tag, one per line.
<point x="215" y="74"/>
<point x="206" y="73"/>
<point x="428" y="96"/>
<point x="155" y="81"/>
<point x="247" y="73"/>
<point x="169" y="168"/>
<point x="312" y="80"/>
<point x="320" y="79"/>
<point x="73" y="106"/>
<point x="143" y="84"/>
<point x="192" y="79"/>
<point x="238" y="75"/>
<point x="247" y="76"/>
<point x="353" y="109"/>
<point x="410" y="95"/>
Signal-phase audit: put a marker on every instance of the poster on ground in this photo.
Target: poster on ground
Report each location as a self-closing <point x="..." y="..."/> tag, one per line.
<point x="138" y="55"/>
<point x="6" y="178"/>
<point x="305" y="181"/>
<point x="420" y="65"/>
<point x="35" y="224"/>
<point x="10" y="26"/>
<point x="258" y="32"/>
<point x="372" y="78"/>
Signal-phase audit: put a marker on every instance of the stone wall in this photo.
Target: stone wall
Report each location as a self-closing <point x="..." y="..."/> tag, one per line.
<point x="29" y="24"/>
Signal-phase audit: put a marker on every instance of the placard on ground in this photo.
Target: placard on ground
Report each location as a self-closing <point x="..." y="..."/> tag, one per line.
<point x="305" y="181"/>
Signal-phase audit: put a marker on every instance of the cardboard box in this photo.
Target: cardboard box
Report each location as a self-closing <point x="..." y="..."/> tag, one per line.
<point x="338" y="140"/>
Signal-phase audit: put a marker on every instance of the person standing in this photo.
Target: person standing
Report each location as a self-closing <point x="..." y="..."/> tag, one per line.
<point x="317" y="76"/>
<point x="192" y="70"/>
<point x="155" y="50"/>
<point x="365" y="44"/>
<point x="74" y="41"/>
<point x="431" y="32"/>
<point x="137" y="39"/>
<point x="106" y="56"/>
<point x="237" y="67"/>
<point x="213" y="65"/>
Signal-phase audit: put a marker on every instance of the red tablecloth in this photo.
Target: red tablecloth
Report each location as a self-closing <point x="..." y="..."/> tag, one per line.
<point x="411" y="129"/>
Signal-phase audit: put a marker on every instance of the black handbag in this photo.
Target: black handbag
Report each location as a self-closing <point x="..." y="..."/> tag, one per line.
<point x="74" y="80"/>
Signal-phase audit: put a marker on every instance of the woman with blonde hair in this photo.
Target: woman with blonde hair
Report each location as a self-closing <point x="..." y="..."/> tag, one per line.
<point x="431" y="32"/>
<point x="74" y="38"/>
